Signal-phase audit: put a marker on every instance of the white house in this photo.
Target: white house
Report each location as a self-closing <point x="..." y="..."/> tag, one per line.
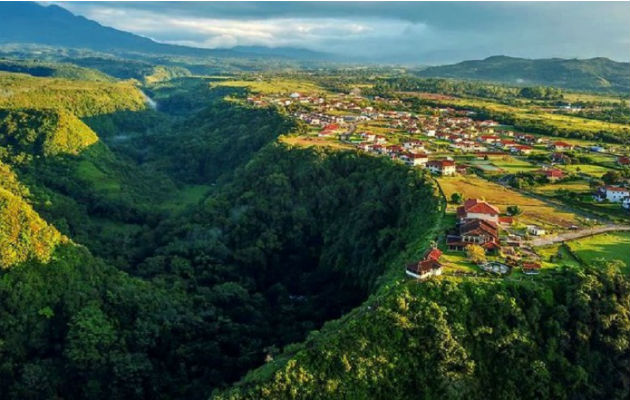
<point x="442" y="167"/>
<point x="614" y="194"/>
<point x="415" y="159"/>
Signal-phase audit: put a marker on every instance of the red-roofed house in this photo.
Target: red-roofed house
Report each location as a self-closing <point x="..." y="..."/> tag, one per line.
<point x="477" y="231"/>
<point x="553" y="174"/>
<point x="614" y="194"/>
<point x="415" y="159"/>
<point x="428" y="266"/>
<point x="424" y="269"/>
<point x="478" y="209"/>
<point x="561" y="146"/>
<point x="442" y="167"/>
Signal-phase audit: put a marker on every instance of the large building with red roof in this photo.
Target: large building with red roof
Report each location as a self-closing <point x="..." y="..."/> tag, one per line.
<point x="478" y="209"/>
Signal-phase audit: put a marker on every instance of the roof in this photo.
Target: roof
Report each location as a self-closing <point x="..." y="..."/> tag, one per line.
<point x="531" y="265"/>
<point x="433" y="254"/>
<point x="553" y="173"/>
<point x="615" y="189"/>
<point x="424" y="266"/>
<point x="442" y="163"/>
<point x="479" y="227"/>
<point x="478" y="207"/>
<point x="561" y="144"/>
<point x="506" y="220"/>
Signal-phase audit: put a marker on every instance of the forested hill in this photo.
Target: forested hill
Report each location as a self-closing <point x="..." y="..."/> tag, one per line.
<point x="595" y="74"/>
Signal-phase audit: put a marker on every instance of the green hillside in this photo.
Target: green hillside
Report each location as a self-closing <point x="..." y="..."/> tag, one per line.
<point x="596" y="74"/>
<point x="44" y="132"/>
<point x="82" y="98"/>
<point x="24" y="235"/>
<point x="465" y="340"/>
<point x="53" y="70"/>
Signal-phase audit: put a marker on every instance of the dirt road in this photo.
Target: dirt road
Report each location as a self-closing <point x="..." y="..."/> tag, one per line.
<point x="563" y="237"/>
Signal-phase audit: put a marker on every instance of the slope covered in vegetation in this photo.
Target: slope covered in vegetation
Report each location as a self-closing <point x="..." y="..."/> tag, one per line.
<point x="24" y="235"/>
<point x="82" y="98"/>
<point x="43" y="132"/>
<point x="564" y="338"/>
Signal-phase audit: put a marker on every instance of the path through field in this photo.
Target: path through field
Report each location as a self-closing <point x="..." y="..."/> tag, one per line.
<point x="563" y="237"/>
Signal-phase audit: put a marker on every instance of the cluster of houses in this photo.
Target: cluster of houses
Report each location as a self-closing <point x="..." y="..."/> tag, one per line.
<point x="478" y="223"/>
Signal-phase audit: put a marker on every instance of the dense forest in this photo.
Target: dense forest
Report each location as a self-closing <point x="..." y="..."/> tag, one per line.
<point x="565" y="338"/>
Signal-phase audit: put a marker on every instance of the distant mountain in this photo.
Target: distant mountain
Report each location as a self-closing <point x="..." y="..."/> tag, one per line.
<point x="27" y="22"/>
<point x="599" y="74"/>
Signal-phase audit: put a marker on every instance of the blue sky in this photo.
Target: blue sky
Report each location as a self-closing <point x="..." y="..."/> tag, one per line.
<point x="426" y="33"/>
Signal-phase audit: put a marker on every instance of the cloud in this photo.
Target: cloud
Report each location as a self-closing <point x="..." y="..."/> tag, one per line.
<point x="411" y="32"/>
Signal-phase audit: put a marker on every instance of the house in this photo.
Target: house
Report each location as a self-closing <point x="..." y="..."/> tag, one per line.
<point x="478" y="209"/>
<point x="424" y="269"/>
<point x="531" y="268"/>
<point x="535" y="230"/>
<point x="442" y="167"/>
<point x="415" y="159"/>
<point x="561" y="146"/>
<point x="477" y="231"/>
<point x="488" y="139"/>
<point x="626" y="203"/>
<point x="428" y="266"/>
<point x="521" y="149"/>
<point x="553" y="174"/>
<point x="614" y="194"/>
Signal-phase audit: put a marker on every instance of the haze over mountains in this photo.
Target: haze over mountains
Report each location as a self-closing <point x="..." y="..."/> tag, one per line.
<point x="55" y="26"/>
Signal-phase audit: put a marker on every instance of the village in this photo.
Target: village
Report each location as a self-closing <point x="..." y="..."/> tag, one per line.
<point x="512" y="196"/>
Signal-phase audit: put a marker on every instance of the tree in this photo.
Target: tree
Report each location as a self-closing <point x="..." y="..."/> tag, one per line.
<point x="476" y="253"/>
<point x="456" y="198"/>
<point x="514" y="210"/>
<point x="611" y="177"/>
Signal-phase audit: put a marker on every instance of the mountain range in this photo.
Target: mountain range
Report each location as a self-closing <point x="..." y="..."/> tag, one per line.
<point x="52" y="25"/>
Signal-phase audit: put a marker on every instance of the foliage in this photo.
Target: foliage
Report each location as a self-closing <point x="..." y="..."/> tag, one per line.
<point x="81" y="98"/>
<point x="562" y="338"/>
<point x="475" y="253"/>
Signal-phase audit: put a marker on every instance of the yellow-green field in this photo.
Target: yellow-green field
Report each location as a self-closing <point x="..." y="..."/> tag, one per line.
<point x="274" y="86"/>
<point x="534" y="211"/>
<point x="560" y="256"/>
<point x="552" y="189"/>
<point x="609" y="246"/>
<point x="301" y="141"/>
<point x="513" y="165"/>
<point x="591" y="170"/>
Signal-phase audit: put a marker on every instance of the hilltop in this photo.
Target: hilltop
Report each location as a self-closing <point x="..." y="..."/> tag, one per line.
<point x="596" y="74"/>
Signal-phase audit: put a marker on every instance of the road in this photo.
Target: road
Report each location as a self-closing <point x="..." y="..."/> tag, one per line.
<point x="563" y="237"/>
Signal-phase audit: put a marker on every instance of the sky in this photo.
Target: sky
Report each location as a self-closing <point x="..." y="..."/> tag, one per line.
<point x="426" y="33"/>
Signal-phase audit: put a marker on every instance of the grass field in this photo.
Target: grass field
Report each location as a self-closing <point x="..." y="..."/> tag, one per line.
<point x="534" y="210"/>
<point x="513" y="165"/>
<point x="274" y="86"/>
<point x="610" y="246"/>
<point x="551" y="189"/>
<point x="301" y="141"/>
<point x="591" y="170"/>
<point x="560" y="254"/>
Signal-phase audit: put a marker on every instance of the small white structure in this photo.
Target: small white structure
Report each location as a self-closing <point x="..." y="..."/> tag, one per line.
<point x="535" y="230"/>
